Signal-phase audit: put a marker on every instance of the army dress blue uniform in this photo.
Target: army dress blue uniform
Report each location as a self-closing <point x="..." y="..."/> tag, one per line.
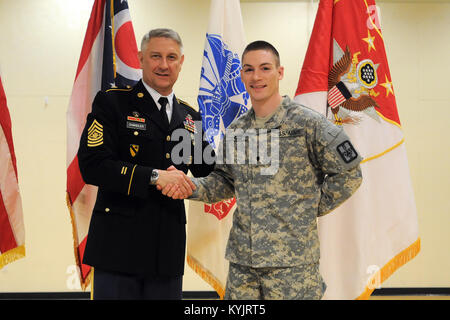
<point x="134" y="230"/>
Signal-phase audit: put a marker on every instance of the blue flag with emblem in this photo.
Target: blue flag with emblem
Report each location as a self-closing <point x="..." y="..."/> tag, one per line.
<point x="222" y="98"/>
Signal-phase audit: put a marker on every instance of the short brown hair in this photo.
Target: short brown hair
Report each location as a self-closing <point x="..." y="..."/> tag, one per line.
<point x="262" y="45"/>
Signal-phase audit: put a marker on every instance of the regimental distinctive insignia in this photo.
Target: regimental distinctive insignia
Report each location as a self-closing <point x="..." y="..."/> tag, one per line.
<point x="135" y="114"/>
<point x="189" y="123"/>
<point x="134" y="149"/>
<point x="95" y="134"/>
<point x="350" y="86"/>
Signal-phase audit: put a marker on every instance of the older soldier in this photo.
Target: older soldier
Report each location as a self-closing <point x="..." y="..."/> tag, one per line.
<point x="136" y="239"/>
<point x="273" y="247"/>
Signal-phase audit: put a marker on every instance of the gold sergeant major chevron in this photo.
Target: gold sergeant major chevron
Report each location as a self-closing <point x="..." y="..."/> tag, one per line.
<point x="95" y="134"/>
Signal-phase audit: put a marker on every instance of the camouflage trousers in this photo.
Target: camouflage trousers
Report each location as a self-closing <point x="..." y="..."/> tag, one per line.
<point x="302" y="282"/>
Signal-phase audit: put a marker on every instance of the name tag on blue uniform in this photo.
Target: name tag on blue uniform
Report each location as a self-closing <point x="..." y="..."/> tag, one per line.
<point x="136" y="125"/>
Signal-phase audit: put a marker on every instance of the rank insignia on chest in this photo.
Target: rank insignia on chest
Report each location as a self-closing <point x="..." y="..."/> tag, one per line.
<point x="134" y="149"/>
<point x="95" y="134"/>
<point x="189" y="124"/>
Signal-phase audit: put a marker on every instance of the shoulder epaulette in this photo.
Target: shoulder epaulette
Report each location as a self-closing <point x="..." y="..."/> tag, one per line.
<point x="186" y="104"/>
<point x="119" y="89"/>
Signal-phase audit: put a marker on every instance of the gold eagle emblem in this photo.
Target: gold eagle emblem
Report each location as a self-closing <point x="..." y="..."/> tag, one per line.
<point x="350" y="86"/>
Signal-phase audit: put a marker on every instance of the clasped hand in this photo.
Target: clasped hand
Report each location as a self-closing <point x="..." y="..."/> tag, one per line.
<point x="174" y="183"/>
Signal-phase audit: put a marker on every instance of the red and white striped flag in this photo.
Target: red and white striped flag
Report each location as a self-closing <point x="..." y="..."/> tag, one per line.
<point x="12" y="231"/>
<point x="346" y="76"/>
<point x="108" y="59"/>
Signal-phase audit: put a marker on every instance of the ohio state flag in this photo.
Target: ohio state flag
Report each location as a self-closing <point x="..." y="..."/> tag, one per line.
<point x="222" y="98"/>
<point x="108" y="59"/>
<point x="345" y="76"/>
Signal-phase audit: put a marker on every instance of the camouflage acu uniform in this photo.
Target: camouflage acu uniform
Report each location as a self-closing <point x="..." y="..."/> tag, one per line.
<point x="302" y="282"/>
<point x="275" y="222"/>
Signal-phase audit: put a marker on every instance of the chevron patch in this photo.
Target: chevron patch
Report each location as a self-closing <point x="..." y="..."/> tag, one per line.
<point x="95" y="134"/>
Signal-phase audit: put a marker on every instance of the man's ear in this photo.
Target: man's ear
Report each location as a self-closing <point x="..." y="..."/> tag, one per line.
<point x="280" y="72"/>
<point x="141" y="58"/>
<point x="182" y="59"/>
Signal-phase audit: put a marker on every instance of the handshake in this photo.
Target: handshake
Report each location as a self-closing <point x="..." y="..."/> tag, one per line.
<point x="174" y="183"/>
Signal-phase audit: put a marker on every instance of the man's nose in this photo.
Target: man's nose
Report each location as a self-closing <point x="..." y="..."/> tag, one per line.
<point x="256" y="75"/>
<point x="163" y="63"/>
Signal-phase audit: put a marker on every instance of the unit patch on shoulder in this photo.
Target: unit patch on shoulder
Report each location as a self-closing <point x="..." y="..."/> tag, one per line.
<point x="347" y="152"/>
<point x="95" y="134"/>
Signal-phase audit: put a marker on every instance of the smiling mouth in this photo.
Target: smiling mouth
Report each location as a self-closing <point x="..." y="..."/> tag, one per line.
<point x="161" y="74"/>
<point x="261" y="86"/>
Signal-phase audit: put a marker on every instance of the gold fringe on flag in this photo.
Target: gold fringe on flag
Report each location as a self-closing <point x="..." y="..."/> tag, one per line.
<point x="381" y="275"/>
<point x="12" y="255"/>
<point x="206" y="275"/>
<point x="84" y="284"/>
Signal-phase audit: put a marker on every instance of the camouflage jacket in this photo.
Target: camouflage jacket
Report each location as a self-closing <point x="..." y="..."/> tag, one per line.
<point x="312" y="170"/>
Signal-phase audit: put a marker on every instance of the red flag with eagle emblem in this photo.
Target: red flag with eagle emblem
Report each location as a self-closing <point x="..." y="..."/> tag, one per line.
<point x="345" y="76"/>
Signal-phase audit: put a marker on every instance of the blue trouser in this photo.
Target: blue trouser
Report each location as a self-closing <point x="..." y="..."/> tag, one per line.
<point x="113" y="285"/>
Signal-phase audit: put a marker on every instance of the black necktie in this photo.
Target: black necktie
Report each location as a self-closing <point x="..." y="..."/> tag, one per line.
<point x="163" y="102"/>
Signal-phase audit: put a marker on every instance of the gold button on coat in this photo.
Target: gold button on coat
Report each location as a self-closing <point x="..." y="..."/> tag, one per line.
<point x="106" y="209"/>
<point x="136" y="133"/>
<point x="167" y="155"/>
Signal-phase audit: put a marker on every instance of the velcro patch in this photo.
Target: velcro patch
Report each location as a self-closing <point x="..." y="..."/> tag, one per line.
<point x="346" y="151"/>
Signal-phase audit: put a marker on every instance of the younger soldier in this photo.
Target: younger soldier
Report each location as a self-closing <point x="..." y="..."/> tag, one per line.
<point x="273" y="247"/>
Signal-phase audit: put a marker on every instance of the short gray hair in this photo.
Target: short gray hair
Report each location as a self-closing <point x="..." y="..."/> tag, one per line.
<point x="161" y="33"/>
